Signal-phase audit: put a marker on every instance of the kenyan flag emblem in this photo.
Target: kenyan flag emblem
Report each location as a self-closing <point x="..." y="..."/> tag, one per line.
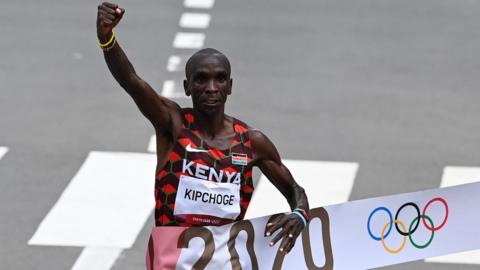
<point x="239" y="159"/>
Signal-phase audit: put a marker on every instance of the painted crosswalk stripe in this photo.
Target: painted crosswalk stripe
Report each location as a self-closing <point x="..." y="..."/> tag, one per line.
<point x="195" y="20"/>
<point x="199" y="3"/>
<point x="152" y="144"/>
<point x="185" y="40"/>
<point x="325" y="183"/>
<point x="105" y="205"/>
<point x="113" y="189"/>
<point x="453" y="176"/>
<point x="3" y="151"/>
<point x="97" y="258"/>
<point x="170" y="90"/>
<point x="174" y="63"/>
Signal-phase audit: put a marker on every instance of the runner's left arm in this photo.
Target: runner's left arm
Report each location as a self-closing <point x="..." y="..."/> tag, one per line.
<point x="267" y="158"/>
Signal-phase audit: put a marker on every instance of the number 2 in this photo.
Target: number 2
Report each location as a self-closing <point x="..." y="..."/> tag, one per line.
<point x="207" y="237"/>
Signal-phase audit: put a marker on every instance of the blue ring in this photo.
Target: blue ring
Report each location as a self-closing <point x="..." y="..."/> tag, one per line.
<point x="370" y="217"/>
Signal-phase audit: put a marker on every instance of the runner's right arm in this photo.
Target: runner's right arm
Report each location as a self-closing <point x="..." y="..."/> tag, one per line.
<point x="164" y="114"/>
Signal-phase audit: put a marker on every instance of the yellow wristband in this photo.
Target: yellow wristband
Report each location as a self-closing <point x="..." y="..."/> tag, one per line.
<point x="103" y="45"/>
<point x="106" y="49"/>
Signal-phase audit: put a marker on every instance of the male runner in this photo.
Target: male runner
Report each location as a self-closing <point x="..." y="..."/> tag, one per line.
<point x="204" y="157"/>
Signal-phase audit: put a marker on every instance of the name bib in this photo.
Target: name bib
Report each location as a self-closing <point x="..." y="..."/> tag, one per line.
<point x="204" y="202"/>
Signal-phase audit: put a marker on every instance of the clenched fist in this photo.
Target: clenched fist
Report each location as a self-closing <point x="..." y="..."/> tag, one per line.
<point x="108" y="16"/>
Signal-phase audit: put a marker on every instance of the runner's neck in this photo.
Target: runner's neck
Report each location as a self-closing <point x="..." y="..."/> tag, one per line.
<point x="210" y="125"/>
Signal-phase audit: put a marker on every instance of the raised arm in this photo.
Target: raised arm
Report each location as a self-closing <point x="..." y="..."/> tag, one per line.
<point x="163" y="113"/>
<point x="266" y="157"/>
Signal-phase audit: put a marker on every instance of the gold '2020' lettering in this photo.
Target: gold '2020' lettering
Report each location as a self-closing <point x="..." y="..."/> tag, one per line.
<point x="321" y="214"/>
<point x="207" y="237"/>
<point x="246" y="226"/>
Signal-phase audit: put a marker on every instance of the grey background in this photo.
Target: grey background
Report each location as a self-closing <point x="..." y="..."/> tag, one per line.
<point x="391" y="85"/>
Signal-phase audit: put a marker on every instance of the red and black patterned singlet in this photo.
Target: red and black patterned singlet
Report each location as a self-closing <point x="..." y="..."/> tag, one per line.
<point x="200" y="185"/>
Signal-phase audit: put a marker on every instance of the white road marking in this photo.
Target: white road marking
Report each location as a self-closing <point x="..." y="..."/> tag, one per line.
<point x="184" y="40"/>
<point x="175" y="63"/>
<point x="170" y="90"/>
<point x="469" y="257"/>
<point x="453" y="176"/>
<point x="105" y="205"/>
<point x="195" y="20"/>
<point x="325" y="183"/>
<point x="97" y="258"/>
<point x="152" y="144"/>
<point x="3" y="151"/>
<point x="199" y="3"/>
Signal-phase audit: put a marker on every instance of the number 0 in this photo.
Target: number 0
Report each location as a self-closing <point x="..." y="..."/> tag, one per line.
<point x="234" y="231"/>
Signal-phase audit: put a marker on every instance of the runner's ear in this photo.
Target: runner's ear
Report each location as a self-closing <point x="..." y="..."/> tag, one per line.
<point x="185" y="87"/>
<point x="230" y="87"/>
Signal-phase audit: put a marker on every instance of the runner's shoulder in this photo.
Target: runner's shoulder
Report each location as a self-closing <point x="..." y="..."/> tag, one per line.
<point x="255" y="134"/>
<point x="172" y="109"/>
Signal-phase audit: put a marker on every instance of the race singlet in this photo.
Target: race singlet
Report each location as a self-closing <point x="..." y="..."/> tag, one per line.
<point x="201" y="185"/>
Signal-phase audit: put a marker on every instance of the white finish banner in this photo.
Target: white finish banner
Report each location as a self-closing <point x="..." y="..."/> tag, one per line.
<point x="354" y="235"/>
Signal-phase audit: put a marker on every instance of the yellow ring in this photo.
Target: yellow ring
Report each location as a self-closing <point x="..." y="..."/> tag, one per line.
<point x="394" y="251"/>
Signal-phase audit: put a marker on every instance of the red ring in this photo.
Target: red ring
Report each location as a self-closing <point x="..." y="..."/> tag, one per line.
<point x="444" y="220"/>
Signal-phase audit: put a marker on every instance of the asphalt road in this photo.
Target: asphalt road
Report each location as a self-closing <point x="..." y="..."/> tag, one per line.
<point x="391" y="85"/>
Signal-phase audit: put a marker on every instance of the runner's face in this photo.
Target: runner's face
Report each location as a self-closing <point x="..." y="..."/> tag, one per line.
<point x="209" y="84"/>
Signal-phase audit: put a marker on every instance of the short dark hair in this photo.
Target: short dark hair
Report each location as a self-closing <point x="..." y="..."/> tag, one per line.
<point x="201" y="54"/>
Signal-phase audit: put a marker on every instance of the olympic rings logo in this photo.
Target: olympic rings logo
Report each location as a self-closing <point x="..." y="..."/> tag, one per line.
<point x="411" y="228"/>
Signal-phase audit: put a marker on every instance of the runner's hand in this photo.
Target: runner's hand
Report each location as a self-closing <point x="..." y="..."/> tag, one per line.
<point x="291" y="226"/>
<point x="108" y="16"/>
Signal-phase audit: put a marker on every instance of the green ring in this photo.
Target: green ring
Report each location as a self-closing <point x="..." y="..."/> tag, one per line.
<point x="410" y="235"/>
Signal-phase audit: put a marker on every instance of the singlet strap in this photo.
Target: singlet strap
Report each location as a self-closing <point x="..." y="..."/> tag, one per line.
<point x="242" y="130"/>
<point x="188" y="118"/>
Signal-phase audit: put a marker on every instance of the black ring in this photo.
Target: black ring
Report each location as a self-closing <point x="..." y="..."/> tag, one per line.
<point x="418" y="219"/>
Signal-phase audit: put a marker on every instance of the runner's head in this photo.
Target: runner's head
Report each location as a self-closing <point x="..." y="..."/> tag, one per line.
<point x="208" y="80"/>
